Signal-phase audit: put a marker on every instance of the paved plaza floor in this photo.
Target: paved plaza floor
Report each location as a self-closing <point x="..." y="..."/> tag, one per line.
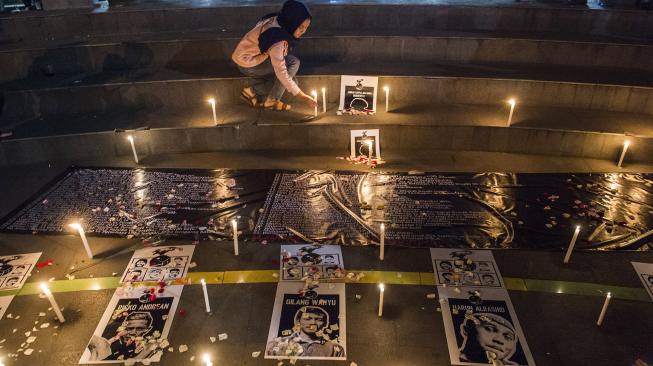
<point x="557" y="305"/>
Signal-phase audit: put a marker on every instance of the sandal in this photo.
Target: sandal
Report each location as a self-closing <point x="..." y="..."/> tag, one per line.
<point x="277" y="106"/>
<point x="249" y="98"/>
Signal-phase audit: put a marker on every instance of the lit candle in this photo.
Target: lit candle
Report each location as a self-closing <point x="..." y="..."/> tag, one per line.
<point x="512" y="103"/>
<point x="314" y="94"/>
<point x="381" y="292"/>
<point x="131" y="141"/>
<point x="369" y="151"/>
<point x="623" y="153"/>
<point x="234" y="226"/>
<point x="82" y="235"/>
<point x="604" y="309"/>
<point x="53" y="303"/>
<point x="387" y="97"/>
<point x="206" y="296"/>
<point x="212" y="103"/>
<point x="382" y="252"/>
<point x="207" y="360"/>
<point x="323" y="100"/>
<point x="572" y="244"/>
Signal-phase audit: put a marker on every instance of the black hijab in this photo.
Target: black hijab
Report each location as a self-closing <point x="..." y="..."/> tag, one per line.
<point x="293" y="13"/>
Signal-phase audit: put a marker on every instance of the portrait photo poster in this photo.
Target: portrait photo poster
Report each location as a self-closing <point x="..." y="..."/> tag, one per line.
<point x="481" y="326"/>
<point x="311" y="326"/>
<point x="645" y="274"/>
<point x="5" y="301"/>
<point x="161" y="263"/>
<point x="15" y="269"/>
<point x="132" y="319"/>
<point x="465" y="267"/>
<point x="299" y="261"/>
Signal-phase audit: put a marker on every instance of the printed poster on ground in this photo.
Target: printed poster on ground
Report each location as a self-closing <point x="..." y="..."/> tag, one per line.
<point x="14" y="269"/>
<point x="316" y="261"/>
<point x="462" y="267"/>
<point x="645" y="274"/>
<point x="362" y="140"/>
<point x="310" y="326"/>
<point x="164" y="263"/>
<point x="5" y="301"/>
<point x="358" y="94"/>
<point x="482" y="328"/>
<point x="133" y="326"/>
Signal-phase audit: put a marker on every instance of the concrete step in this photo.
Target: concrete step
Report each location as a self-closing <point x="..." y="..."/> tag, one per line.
<point x="333" y="18"/>
<point x="400" y="140"/>
<point x="191" y="94"/>
<point x="628" y="64"/>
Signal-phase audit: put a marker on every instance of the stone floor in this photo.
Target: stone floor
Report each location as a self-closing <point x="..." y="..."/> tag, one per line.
<point x="560" y="328"/>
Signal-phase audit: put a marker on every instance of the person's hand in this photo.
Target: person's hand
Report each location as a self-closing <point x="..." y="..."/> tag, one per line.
<point x="307" y="99"/>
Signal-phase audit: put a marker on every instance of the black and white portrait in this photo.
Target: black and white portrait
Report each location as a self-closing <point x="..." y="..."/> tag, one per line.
<point x="317" y="261"/>
<point x="473" y="268"/>
<point x="131" y="325"/>
<point x="14" y="269"/>
<point x="159" y="263"/>
<point x="482" y="328"/>
<point x="306" y="327"/>
<point x="645" y="273"/>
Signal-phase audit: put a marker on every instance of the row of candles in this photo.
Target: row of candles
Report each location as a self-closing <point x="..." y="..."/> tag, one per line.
<point x="511" y="102"/>
<point x="57" y="310"/>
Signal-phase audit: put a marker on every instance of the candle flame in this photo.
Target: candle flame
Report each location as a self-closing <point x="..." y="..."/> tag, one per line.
<point x="512" y="102"/>
<point x="76" y="226"/>
<point x="130" y="138"/>
<point x="203" y="282"/>
<point x="44" y="287"/>
<point x="386" y="88"/>
<point x="211" y="101"/>
<point x="626" y="144"/>
<point x="381" y="287"/>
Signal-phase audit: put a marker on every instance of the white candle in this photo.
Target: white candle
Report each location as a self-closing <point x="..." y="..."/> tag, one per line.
<point x="212" y="103"/>
<point x="572" y="243"/>
<point x="623" y="153"/>
<point x="314" y="94"/>
<point x="234" y="226"/>
<point x="82" y="235"/>
<point x="387" y="97"/>
<point x="369" y="151"/>
<point x="53" y="303"/>
<point x="604" y="309"/>
<point x="131" y="141"/>
<point x="381" y="292"/>
<point x="206" y="296"/>
<point x="382" y="252"/>
<point x="512" y="103"/>
<point x="207" y="360"/>
<point x="323" y="100"/>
